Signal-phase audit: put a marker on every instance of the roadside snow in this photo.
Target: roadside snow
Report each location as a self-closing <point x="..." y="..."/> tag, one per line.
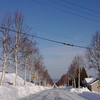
<point x="81" y="90"/>
<point x="11" y="92"/>
<point x="84" y="92"/>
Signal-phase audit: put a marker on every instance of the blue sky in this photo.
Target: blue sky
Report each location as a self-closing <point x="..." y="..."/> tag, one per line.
<point x="50" y="20"/>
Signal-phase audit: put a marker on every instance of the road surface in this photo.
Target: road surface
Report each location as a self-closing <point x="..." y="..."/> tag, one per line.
<point x="54" y="94"/>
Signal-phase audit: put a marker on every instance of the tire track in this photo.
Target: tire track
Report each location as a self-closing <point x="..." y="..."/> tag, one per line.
<point x="57" y="96"/>
<point x="69" y="96"/>
<point x="45" y="96"/>
<point x="34" y="96"/>
<point x="63" y="94"/>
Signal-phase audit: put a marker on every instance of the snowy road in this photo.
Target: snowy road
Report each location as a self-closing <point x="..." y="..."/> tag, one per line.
<point x="54" y="94"/>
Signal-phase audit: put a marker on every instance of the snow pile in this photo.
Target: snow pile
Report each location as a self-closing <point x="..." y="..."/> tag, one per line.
<point x="81" y="90"/>
<point x="11" y="92"/>
<point x="84" y="92"/>
<point x="90" y="95"/>
<point x="18" y="92"/>
<point x="10" y="78"/>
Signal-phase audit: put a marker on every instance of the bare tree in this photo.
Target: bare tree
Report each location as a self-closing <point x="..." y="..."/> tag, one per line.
<point x="38" y="62"/>
<point x="74" y="69"/>
<point x="79" y="63"/>
<point x="62" y="81"/>
<point x="24" y="55"/>
<point x="19" y="27"/>
<point x="93" y="54"/>
<point x="31" y="60"/>
<point x="72" y="73"/>
<point x="41" y="74"/>
<point x="10" y="42"/>
<point x="20" y="50"/>
<point x="5" y="40"/>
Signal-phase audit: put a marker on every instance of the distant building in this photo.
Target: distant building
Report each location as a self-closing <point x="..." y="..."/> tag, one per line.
<point x="91" y="84"/>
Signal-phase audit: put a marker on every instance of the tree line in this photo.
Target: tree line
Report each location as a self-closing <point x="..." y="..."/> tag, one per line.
<point x="19" y="51"/>
<point x="76" y="71"/>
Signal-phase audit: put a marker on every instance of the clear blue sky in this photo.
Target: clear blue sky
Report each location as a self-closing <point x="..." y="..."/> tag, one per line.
<point x="61" y="23"/>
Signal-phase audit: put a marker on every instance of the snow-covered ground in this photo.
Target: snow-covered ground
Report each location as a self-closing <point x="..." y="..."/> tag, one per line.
<point x="84" y="92"/>
<point x="11" y="92"/>
<point x="64" y="94"/>
<point x="20" y="92"/>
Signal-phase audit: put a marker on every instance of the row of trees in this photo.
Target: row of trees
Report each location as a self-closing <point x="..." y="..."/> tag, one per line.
<point x="92" y="56"/>
<point x="75" y="74"/>
<point x="19" y="50"/>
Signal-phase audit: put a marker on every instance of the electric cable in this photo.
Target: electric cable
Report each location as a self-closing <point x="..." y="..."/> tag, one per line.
<point x="48" y="39"/>
<point x="58" y="35"/>
<point x="81" y="6"/>
<point x="74" y="9"/>
<point x="67" y="11"/>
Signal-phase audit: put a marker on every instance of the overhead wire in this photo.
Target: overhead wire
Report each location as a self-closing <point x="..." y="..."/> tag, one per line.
<point x="58" y="35"/>
<point x="74" y="9"/>
<point x="47" y="39"/>
<point x="81" y="6"/>
<point x="67" y="11"/>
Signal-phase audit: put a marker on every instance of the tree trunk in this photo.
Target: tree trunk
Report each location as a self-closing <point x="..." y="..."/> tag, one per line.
<point x="3" y="71"/>
<point x="35" y="78"/>
<point x="67" y="81"/>
<point x="16" y="61"/>
<point x="4" y="62"/>
<point x="39" y="80"/>
<point x="74" y="83"/>
<point x="99" y="83"/>
<point x="16" y="57"/>
<point x="79" y="78"/>
<point x="99" y="71"/>
<point x="30" y="72"/>
<point x="24" y="75"/>
<point x="25" y="70"/>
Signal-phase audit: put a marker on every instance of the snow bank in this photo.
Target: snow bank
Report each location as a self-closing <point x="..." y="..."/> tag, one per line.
<point x="18" y="92"/>
<point x="11" y="92"/>
<point x="84" y="92"/>
<point x="81" y="90"/>
<point x="90" y="95"/>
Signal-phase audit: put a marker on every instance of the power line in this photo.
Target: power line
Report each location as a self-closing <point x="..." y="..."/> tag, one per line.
<point x="47" y="39"/>
<point x="58" y="35"/>
<point x="81" y="6"/>
<point x="74" y="9"/>
<point x="67" y="11"/>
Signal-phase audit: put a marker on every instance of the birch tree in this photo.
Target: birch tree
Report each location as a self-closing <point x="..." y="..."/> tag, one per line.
<point x="93" y="54"/>
<point x="79" y="63"/>
<point x="19" y="27"/>
<point x="24" y="53"/>
<point x="72" y="73"/>
<point x="5" y="40"/>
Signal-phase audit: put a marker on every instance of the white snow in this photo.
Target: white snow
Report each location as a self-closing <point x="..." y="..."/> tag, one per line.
<point x="81" y="90"/>
<point x="11" y="92"/>
<point x="88" y="80"/>
<point x="84" y="92"/>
